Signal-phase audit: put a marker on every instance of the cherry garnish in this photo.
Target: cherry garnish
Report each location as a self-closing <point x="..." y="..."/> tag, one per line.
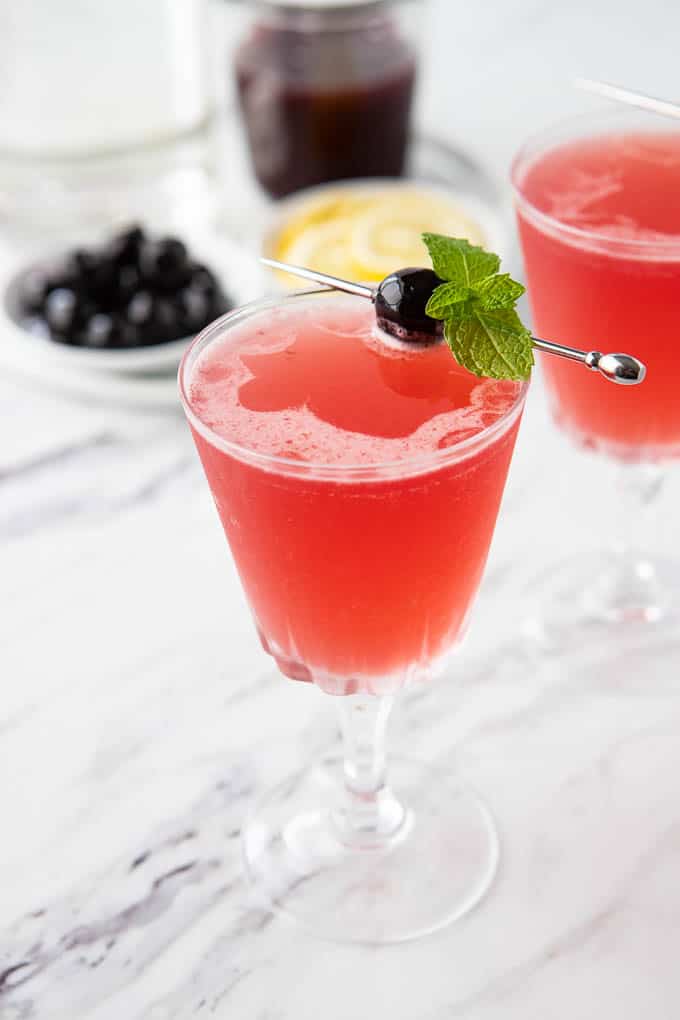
<point x="400" y="302"/>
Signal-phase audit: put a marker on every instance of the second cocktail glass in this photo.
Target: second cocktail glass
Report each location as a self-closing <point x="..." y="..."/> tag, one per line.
<point x="599" y="221"/>
<point x="358" y="484"/>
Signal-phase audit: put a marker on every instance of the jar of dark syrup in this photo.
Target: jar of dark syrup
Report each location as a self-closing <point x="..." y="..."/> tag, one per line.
<point x="326" y="89"/>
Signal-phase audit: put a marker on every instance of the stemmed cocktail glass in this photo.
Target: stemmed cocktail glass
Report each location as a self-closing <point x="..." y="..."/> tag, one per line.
<point x="358" y="484"/>
<point x="598" y="206"/>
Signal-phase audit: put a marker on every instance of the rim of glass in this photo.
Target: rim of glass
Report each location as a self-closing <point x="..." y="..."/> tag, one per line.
<point x="562" y="132"/>
<point x="418" y="464"/>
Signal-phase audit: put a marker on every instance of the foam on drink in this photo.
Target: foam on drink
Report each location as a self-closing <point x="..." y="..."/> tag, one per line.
<point x="321" y="387"/>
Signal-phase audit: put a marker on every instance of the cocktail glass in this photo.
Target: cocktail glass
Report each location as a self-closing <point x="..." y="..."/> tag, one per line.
<point x="360" y="579"/>
<point x="600" y="236"/>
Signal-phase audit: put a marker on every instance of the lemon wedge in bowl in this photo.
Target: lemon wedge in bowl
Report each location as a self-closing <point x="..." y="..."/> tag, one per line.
<point x="363" y="231"/>
<point x="322" y="246"/>
<point x="387" y="234"/>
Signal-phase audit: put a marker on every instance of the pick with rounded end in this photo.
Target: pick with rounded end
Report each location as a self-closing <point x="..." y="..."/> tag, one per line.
<point x="623" y="369"/>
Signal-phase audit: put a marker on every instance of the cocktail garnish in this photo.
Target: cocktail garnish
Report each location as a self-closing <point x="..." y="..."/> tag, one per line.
<point x="474" y="309"/>
<point x="477" y="306"/>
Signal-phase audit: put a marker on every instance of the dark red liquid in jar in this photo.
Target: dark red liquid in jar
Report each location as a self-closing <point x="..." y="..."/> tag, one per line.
<point x="325" y="96"/>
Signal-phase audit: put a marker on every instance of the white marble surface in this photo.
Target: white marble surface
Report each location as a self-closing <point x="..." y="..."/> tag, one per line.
<point x="139" y="717"/>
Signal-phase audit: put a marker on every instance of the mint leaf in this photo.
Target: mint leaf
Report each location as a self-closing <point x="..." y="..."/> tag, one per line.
<point x="445" y="298"/>
<point x="491" y="343"/>
<point x="477" y="304"/>
<point x="499" y="291"/>
<point x="456" y="260"/>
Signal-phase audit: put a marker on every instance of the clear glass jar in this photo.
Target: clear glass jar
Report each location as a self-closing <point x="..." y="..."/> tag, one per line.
<point x="106" y="109"/>
<point x="326" y="89"/>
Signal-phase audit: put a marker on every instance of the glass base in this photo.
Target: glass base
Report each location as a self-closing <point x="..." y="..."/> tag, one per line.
<point x="434" y="869"/>
<point x="601" y="596"/>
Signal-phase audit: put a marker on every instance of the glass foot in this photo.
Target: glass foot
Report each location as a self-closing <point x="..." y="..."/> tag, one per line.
<point x="598" y="595"/>
<point x="433" y="869"/>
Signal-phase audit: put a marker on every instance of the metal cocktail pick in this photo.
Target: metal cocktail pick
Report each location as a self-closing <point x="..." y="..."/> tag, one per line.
<point x="629" y="96"/>
<point x="619" y="368"/>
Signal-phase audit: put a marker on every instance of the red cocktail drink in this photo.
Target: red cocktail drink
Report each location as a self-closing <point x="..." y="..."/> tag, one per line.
<point x="599" y="220"/>
<point x="358" y="480"/>
<point x="598" y="204"/>
<point x="358" y="485"/>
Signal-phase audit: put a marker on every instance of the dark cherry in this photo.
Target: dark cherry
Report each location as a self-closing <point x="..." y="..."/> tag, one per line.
<point x="124" y="248"/>
<point x="66" y="275"/>
<point x="400" y="302"/>
<point x="127" y="284"/>
<point x="100" y="331"/>
<point x="194" y="307"/>
<point x="85" y="309"/>
<point x="164" y="263"/>
<point x="140" y="308"/>
<point x="60" y="310"/>
<point x="165" y="324"/>
<point x="129" y="335"/>
<point x="93" y="274"/>
<point x="80" y="270"/>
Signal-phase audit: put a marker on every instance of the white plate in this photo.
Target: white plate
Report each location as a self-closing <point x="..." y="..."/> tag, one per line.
<point x="239" y="274"/>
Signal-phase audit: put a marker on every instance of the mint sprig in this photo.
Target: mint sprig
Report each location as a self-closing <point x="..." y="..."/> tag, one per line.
<point x="455" y="259"/>
<point x="477" y="306"/>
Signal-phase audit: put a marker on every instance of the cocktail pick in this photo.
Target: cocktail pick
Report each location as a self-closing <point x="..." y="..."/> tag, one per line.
<point x="619" y="368"/>
<point x="628" y="96"/>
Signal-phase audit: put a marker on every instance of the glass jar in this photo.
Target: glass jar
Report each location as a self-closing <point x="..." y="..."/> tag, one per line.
<point x="106" y="109"/>
<point x="326" y="89"/>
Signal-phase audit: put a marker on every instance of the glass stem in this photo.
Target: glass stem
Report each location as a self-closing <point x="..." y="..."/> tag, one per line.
<point x="369" y="814"/>
<point x="633" y="589"/>
<point x="638" y="486"/>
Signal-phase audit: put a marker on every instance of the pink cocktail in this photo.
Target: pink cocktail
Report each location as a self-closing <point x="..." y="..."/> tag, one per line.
<point x="598" y="207"/>
<point x="599" y="220"/>
<point x="359" y="574"/>
<point x="358" y="482"/>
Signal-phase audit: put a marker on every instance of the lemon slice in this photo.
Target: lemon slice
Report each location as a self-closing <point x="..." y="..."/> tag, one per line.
<point x="362" y="233"/>
<point x="321" y="246"/>
<point x="387" y="236"/>
<point x="329" y="207"/>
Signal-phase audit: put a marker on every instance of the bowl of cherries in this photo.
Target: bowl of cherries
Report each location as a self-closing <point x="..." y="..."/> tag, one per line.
<point x="130" y="304"/>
